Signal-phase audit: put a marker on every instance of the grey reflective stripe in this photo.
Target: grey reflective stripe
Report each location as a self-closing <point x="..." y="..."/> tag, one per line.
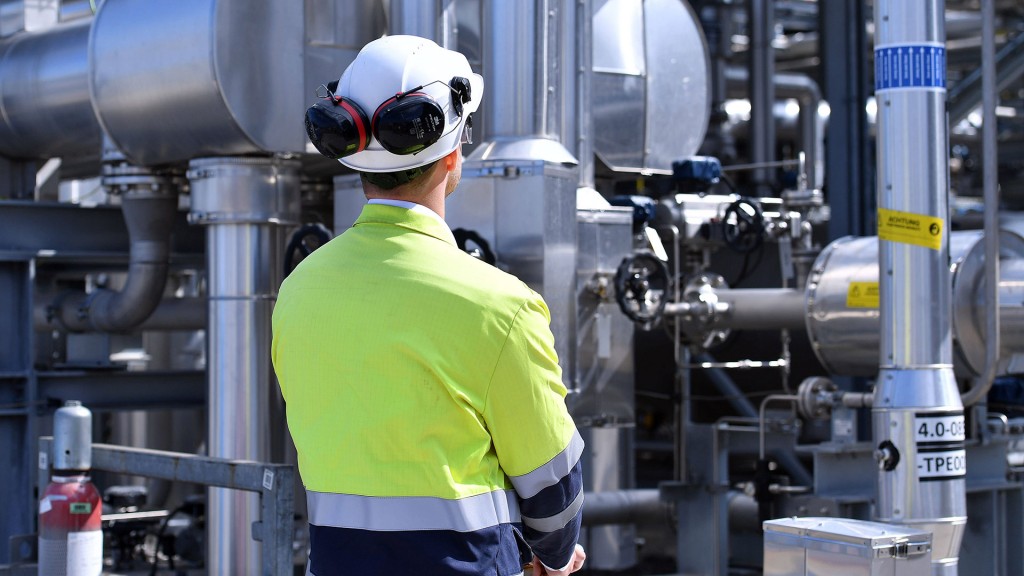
<point x="558" y="521"/>
<point x="528" y="485"/>
<point x="412" y="512"/>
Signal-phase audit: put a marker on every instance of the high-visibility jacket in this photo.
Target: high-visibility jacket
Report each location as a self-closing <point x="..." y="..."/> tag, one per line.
<point x="425" y="400"/>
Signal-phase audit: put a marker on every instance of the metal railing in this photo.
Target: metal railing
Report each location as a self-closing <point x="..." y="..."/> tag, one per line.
<point x="275" y="484"/>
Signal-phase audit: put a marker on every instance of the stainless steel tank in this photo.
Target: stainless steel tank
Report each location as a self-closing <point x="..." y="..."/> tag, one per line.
<point x="842" y="303"/>
<point x="651" y="84"/>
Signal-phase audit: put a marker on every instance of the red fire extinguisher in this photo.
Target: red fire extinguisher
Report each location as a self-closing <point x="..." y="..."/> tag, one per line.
<point x="70" y="535"/>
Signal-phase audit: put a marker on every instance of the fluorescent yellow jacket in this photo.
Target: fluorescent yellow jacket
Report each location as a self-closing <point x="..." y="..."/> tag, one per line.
<point x="425" y="400"/>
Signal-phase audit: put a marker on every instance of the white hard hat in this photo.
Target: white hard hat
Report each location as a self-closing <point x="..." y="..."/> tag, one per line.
<point x="396" y="65"/>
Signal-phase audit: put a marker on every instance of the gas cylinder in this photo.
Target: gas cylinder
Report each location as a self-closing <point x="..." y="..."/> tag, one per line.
<point x="70" y="534"/>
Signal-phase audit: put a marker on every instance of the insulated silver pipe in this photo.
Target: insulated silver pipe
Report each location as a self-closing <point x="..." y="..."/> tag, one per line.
<point x="917" y="416"/>
<point x="45" y="110"/>
<point x="584" y="131"/>
<point x="512" y="52"/>
<point x="416" y="18"/>
<point x="243" y="202"/>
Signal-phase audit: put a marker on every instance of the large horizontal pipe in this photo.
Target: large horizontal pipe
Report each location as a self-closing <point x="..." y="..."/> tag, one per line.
<point x="45" y="109"/>
<point x="624" y="507"/>
<point x="750" y="309"/>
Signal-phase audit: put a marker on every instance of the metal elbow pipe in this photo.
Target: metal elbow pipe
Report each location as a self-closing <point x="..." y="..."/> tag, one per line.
<point x="149" y="216"/>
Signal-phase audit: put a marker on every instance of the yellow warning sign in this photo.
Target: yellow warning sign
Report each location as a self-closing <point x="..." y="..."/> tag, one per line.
<point x="910" y="228"/>
<point x="862" y="295"/>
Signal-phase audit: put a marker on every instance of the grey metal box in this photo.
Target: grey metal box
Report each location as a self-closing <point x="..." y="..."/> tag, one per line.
<point x="829" y="546"/>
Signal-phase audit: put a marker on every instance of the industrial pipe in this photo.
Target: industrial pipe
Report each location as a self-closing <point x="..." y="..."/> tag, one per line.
<point x="149" y="202"/>
<point x="990" y="171"/>
<point x="415" y="17"/>
<point x="523" y="54"/>
<point x="761" y="18"/>
<point x="806" y="92"/>
<point x="917" y="416"/>
<point x="624" y="507"/>
<point x="244" y="204"/>
<point x="45" y="110"/>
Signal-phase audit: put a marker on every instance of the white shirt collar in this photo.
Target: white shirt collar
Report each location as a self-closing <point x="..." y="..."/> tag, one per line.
<point x="409" y="206"/>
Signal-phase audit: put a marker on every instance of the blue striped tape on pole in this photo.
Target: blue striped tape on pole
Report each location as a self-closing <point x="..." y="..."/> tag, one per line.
<point x="910" y="67"/>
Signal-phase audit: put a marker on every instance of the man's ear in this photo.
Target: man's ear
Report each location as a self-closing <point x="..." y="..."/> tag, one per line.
<point x="451" y="160"/>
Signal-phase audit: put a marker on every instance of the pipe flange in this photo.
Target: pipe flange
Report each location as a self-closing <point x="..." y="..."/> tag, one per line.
<point x="699" y="324"/>
<point x="816" y="397"/>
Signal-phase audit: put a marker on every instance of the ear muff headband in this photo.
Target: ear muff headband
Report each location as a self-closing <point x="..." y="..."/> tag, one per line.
<point x="408" y="123"/>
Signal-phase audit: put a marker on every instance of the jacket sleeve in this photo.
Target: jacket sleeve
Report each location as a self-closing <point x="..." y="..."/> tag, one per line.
<point x="536" y="441"/>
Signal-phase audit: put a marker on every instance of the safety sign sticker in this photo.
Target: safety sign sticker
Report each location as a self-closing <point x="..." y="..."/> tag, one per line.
<point x="943" y="464"/>
<point x="910" y="228"/>
<point x="862" y="295"/>
<point x="910" y="67"/>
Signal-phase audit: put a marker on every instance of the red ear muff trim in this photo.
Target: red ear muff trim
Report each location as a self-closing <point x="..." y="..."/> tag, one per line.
<point x="359" y="119"/>
<point x="337" y="127"/>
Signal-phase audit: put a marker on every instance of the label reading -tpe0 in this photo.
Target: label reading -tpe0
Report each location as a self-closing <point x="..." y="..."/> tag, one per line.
<point x="909" y="228"/>
<point x="941" y="465"/>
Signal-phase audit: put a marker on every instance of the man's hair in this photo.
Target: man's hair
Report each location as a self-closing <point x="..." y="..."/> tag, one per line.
<point x="392" y="180"/>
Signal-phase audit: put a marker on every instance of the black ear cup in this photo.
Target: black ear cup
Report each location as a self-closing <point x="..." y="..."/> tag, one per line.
<point x="408" y="123"/>
<point x="337" y="127"/>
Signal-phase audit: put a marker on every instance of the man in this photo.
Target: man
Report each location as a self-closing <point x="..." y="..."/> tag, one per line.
<point x="423" y="391"/>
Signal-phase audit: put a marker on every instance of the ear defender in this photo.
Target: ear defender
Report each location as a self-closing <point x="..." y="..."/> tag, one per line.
<point x="407" y="123"/>
<point x="337" y="127"/>
<point x="404" y="124"/>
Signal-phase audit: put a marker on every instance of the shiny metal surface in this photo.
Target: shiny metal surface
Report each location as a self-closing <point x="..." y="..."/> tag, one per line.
<point x="846" y="338"/>
<point x="530" y="62"/>
<point x="198" y="95"/>
<point x="526" y="211"/>
<point x="45" y="109"/>
<point x="905" y="495"/>
<point x="651" y="84"/>
<point x="612" y="546"/>
<point x="604" y="336"/>
<point x="415" y="17"/>
<point x="72" y="437"/>
<point x="915" y="305"/>
<point x="334" y="33"/>
<point x="243" y="201"/>
<point x="971" y="305"/>
<point x="913" y="177"/>
<point x="826" y="546"/>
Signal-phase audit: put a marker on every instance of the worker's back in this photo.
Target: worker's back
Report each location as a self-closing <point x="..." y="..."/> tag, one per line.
<point x="393" y="352"/>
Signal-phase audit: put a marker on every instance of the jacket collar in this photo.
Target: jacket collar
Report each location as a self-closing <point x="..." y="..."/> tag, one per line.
<point x="413" y="220"/>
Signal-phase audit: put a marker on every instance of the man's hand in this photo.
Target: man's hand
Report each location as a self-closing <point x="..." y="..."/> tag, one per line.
<point x="578" y="556"/>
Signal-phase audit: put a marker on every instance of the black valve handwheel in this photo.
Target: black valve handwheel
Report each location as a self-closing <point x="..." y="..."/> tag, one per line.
<point x="641" y="287"/>
<point x="303" y="242"/>
<point x="743" y="225"/>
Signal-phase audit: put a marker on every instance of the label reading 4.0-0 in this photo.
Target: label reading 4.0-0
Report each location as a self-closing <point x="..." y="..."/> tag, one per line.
<point x="930" y="427"/>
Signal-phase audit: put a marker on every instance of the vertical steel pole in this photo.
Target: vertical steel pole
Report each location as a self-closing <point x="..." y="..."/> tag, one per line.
<point x="243" y="202"/>
<point x="762" y="91"/>
<point x="918" y="419"/>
